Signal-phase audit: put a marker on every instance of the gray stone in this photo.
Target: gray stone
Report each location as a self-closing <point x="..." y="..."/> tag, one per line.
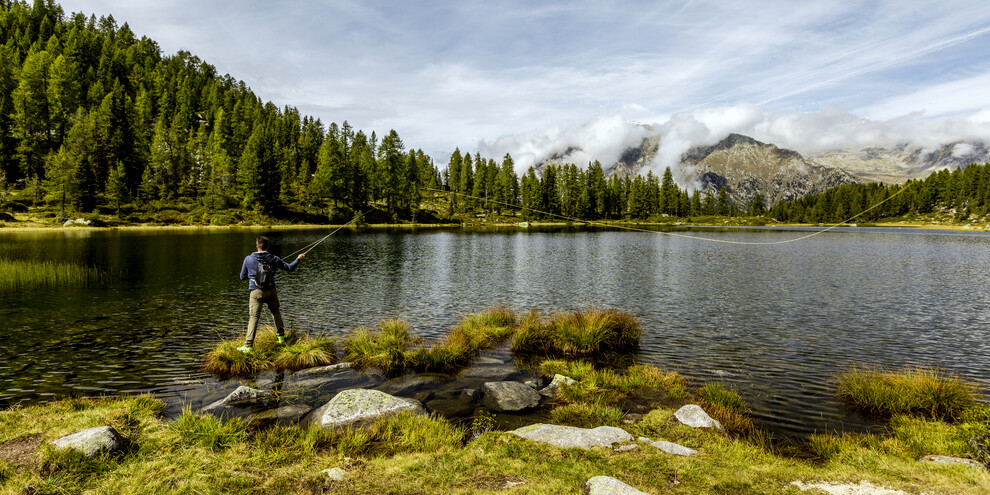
<point x="291" y="413"/>
<point x="240" y="397"/>
<point x="695" y="417"/>
<point x="509" y="396"/>
<point x="322" y="370"/>
<point x="673" y="448"/>
<point x="335" y="473"/>
<point x="338" y="379"/>
<point x="487" y="360"/>
<point x="558" y="380"/>
<point x="488" y="372"/>
<point x="569" y="437"/>
<point x="408" y="385"/>
<point x="357" y="407"/>
<point x="472" y="393"/>
<point x="606" y="485"/>
<point x="535" y="383"/>
<point x="629" y="447"/>
<point x="632" y="418"/>
<point x="92" y="441"/>
<point x="947" y="460"/>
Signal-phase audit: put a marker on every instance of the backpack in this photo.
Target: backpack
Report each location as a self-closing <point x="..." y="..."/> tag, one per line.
<point x="264" y="274"/>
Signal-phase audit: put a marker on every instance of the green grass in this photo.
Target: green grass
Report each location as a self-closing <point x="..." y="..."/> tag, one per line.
<point x="46" y="274"/>
<point x="389" y="348"/>
<point x="423" y="454"/>
<point x="580" y="333"/>
<point x="586" y="415"/>
<point x="925" y="392"/>
<point x="298" y="352"/>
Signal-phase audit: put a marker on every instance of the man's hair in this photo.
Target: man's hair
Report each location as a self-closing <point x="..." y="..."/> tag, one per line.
<point x="262" y="243"/>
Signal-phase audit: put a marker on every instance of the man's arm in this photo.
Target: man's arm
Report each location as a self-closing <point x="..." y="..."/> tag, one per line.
<point x="244" y="270"/>
<point x="292" y="266"/>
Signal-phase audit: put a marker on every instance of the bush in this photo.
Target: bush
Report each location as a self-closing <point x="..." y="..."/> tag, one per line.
<point x="925" y="392"/>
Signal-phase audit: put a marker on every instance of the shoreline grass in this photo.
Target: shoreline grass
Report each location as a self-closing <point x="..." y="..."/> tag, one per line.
<point x="922" y="391"/>
<point x="298" y="352"/>
<point x="578" y="333"/>
<point x="429" y="455"/>
<point x="16" y="274"/>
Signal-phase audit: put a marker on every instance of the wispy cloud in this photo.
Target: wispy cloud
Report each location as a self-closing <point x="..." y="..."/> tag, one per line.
<point x="448" y="74"/>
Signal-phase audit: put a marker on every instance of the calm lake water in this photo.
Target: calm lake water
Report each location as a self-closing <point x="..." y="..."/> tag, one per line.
<point x="774" y="322"/>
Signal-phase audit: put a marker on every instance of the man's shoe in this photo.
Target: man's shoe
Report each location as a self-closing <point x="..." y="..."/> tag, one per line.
<point x="245" y="349"/>
<point x="281" y="340"/>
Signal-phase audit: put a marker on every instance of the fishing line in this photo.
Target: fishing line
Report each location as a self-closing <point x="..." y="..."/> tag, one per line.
<point x="675" y="234"/>
<point x="309" y="247"/>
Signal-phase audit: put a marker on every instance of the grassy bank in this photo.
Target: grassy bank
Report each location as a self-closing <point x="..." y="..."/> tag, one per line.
<point x="926" y="392"/>
<point x="16" y="274"/>
<point x="199" y="454"/>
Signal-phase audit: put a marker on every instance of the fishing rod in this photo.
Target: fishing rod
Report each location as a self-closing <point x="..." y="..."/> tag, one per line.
<point x="309" y="247"/>
<point x="675" y="234"/>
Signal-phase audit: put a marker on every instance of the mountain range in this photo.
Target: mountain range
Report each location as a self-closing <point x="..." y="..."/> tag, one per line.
<point x="746" y="167"/>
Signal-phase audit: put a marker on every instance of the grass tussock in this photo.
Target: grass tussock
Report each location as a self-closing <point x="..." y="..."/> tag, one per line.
<point x="208" y="432"/>
<point x="389" y="349"/>
<point x="297" y="352"/>
<point x="925" y="392"/>
<point x="15" y="274"/>
<point x="579" y="333"/>
<point x="306" y="352"/>
<point x="586" y="415"/>
<point x="727" y="407"/>
<point x="606" y="386"/>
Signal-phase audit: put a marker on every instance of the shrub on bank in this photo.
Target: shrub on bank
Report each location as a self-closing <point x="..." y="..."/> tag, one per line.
<point x="925" y="392"/>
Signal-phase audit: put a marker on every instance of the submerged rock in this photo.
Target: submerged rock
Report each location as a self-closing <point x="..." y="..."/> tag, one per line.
<point x="450" y="408"/>
<point x="357" y="407"/>
<point x="322" y="370"/>
<point x="607" y="485"/>
<point x="509" y="396"/>
<point x="489" y="372"/>
<point x="408" y="385"/>
<point x="696" y="417"/>
<point x="569" y="437"/>
<point x="558" y="380"/>
<point x="340" y="378"/>
<point x="92" y="441"/>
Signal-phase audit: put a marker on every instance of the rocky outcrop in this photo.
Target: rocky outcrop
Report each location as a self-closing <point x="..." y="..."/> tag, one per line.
<point x="696" y="417"/>
<point x="357" y="407"/>
<point x="509" y="396"/>
<point x="606" y="485"/>
<point x="570" y="437"/>
<point x="92" y="441"/>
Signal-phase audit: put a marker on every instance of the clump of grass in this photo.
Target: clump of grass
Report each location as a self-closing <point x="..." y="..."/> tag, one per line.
<point x="399" y="434"/>
<point x="586" y="415"/>
<point x="306" y="352"/>
<point x="923" y="391"/>
<point x="225" y="361"/>
<point x="577" y="370"/>
<point x="975" y="422"/>
<point x="384" y="349"/>
<point x="16" y="274"/>
<point x="388" y="349"/>
<point x="714" y="393"/>
<point x="208" y="431"/>
<point x="831" y="447"/>
<point x="579" y="333"/>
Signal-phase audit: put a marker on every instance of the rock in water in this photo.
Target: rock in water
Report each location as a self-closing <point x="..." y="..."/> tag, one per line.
<point x="357" y="407"/>
<point x="695" y="417"/>
<point x="606" y="485"/>
<point x="240" y="397"/>
<point x="92" y="441"/>
<point x="569" y="437"/>
<point x="509" y="396"/>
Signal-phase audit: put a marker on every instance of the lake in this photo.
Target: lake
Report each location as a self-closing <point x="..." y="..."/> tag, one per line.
<point x="774" y="322"/>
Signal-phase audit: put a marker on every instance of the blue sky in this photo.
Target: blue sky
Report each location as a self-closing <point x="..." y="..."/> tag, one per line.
<point x="501" y="74"/>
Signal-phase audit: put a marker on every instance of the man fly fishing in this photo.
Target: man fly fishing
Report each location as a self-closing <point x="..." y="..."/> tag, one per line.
<point x="259" y="270"/>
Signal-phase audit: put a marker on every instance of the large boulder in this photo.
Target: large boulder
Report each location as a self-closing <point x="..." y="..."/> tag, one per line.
<point x="509" y="396"/>
<point x="93" y="441"/>
<point x="357" y="407"/>
<point x="696" y="417"/>
<point x="569" y="437"/>
<point x="607" y="485"/>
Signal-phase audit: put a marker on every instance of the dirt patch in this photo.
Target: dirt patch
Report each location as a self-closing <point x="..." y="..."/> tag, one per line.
<point x="20" y="451"/>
